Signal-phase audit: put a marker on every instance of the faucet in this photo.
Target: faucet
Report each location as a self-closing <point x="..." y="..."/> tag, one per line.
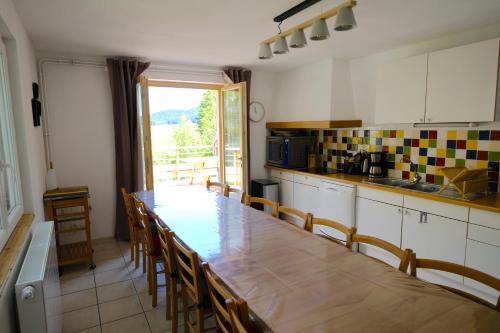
<point x="414" y="168"/>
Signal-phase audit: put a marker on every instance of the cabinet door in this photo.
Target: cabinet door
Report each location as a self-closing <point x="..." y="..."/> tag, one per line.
<point x="304" y="197"/>
<point x="286" y="193"/>
<point x="462" y="83"/>
<point x="437" y="238"/>
<point x="400" y="91"/>
<point x="380" y="220"/>
<point x="485" y="258"/>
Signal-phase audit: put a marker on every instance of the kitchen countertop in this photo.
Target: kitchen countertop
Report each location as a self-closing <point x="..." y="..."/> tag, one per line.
<point x="490" y="202"/>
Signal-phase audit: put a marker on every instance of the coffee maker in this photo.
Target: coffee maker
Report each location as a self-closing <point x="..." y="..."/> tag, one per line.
<point x="377" y="165"/>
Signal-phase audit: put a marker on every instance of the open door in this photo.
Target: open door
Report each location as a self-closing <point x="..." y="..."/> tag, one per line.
<point x="145" y="135"/>
<point x="233" y="136"/>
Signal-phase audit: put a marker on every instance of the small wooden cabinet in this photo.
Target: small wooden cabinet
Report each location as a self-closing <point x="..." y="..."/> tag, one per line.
<point x="69" y="209"/>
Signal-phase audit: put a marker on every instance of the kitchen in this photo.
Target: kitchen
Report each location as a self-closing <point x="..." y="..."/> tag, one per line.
<point x="368" y="132"/>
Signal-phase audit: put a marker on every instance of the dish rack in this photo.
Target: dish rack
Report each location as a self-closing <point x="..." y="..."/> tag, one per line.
<point x="69" y="209"/>
<point x="466" y="181"/>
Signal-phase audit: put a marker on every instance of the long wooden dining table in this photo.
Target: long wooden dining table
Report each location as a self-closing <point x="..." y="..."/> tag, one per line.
<point x="295" y="281"/>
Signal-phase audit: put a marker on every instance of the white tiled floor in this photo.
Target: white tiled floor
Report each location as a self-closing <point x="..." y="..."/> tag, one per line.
<point x="113" y="297"/>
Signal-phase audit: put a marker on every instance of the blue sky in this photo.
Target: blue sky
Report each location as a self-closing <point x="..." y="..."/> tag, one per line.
<point x="163" y="98"/>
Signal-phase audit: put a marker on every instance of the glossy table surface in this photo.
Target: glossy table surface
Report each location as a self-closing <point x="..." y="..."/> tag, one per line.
<point x="295" y="281"/>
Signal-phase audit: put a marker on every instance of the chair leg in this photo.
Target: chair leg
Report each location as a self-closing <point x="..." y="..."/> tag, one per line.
<point x="154" y="282"/>
<point x="185" y="306"/>
<point x="132" y="243"/>
<point x="200" y="319"/>
<point x="173" y="298"/>
<point x="150" y="275"/>
<point x="143" y="247"/>
<point x="168" y="294"/>
<point x="136" y="252"/>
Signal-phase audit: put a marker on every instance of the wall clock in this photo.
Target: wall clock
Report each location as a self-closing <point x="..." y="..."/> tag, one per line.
<point x="256" y="112"/>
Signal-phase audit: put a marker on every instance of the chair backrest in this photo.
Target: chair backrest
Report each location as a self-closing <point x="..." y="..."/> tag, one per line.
<point x="128" y="201"/>
<point x="235" y="315"/>
<point x="249" y="200"/>
<point x="218" y="295"/>
<point x="166" y="237"/>
<point x="464" y="271"/>
<point x="188" y="266"/>
<point x="214" y="186"/>
<point x="144" y="221"/>
<point x="241" y="194"/>
<point x="403" y="255"/>
<point x="334" y="225"/>
<point x="283" y="212"/>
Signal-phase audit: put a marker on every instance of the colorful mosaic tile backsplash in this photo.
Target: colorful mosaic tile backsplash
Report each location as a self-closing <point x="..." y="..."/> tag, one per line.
<point x="430" y="149"/>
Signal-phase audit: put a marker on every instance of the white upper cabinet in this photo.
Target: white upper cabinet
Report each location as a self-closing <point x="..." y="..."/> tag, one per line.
<point x="462" y="83"/>
<point x="400" y="91"/>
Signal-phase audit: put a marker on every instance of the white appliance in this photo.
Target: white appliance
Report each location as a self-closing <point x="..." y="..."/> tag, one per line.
<point x="38" y="294"/>
<point x="335" y="202"/>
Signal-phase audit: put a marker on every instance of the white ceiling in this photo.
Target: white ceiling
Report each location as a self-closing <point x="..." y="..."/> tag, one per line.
<point x="227" y="32"/>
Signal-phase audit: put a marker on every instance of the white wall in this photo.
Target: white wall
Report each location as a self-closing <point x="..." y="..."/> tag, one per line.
<point x="82" y="136"/>
<point x="304" y="93"/>
<point x="262" y="90"/>
<point x="363" y="69"/>
<point x="29" y="139"/>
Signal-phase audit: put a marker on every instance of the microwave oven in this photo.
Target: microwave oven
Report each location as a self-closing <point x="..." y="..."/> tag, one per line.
<point x="289" y="152"/>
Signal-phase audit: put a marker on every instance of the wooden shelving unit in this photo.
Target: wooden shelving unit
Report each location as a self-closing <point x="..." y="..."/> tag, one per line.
<point x="318" y="124"/>
<point x="69" y="209"/>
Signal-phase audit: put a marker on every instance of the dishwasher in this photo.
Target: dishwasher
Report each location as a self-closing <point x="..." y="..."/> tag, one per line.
<point x="335" y="202"/>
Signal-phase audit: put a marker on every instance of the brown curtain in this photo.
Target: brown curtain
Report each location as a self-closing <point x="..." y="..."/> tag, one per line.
<point x="237" y="75"/>
<point x="123" y="75"/>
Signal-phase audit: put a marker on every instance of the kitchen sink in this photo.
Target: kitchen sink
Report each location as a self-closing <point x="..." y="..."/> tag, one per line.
<point x="422" y="187"/>
<point x="390" y="182"/>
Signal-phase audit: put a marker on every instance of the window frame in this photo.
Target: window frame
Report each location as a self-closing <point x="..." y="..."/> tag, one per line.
<point x="8" y="220"/>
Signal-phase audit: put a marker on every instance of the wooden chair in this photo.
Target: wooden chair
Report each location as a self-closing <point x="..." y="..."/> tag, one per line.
<point x="214" y="186"/>
<point x="135" y="230"/>
<point x="191" y="289"/>
<point x="218" y="295"/>
<point x="166" y="238"/>
<point x="334" y="225"/>
<point x="464" y="271"/>
<point x="236" y="323"/>
<point x="282" y="212"/>
<point x="403" y="255"/>
<point x="249" y="200"/>
<point x="153" y="250"/>
<point x="240" y="194"/>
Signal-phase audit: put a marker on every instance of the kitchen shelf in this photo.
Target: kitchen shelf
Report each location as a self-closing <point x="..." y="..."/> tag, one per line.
<point x="316" y="124"/>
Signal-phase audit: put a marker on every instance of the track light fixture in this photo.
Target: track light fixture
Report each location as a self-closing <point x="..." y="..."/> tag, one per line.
<point x="345" y="21"/>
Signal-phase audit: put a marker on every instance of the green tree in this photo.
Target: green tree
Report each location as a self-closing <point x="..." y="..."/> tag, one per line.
<point x="185" y="134"/>
<point x="206" y="118"/>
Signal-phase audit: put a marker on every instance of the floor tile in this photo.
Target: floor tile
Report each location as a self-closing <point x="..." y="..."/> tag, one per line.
<point x="141" y="284"/>
<point x="158" y="322"/>
<point x="120" y="308"/>
<point x="96" y="329"/>
<point x="105" y="254"/>
<point x="73" y="271"/>
<point x="80" y="319"/>
<point x="109" y="264"/>
<point x="146" y="298"/>
<point x="78" y="300"/>
<point x="77" y="284"/>
<point x="111" y="276"/>
<point x="134" y="324"/>
<point x="114" y="291"/>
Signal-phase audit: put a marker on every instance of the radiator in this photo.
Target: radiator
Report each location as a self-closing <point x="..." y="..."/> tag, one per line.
<point x="38" y="294"/>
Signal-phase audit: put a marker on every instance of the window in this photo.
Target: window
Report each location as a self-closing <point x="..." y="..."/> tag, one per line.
<point x="11" y="207"/>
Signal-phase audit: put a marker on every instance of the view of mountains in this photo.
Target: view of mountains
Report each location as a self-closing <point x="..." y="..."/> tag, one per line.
<point x="173" y="116"/>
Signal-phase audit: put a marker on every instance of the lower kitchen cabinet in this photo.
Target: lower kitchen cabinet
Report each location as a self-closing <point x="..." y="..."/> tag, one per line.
<point x="379" y="220"/>
<point x="285" y="191"/>
<point x="435" y="237"/>
<point x="305" y="197"/>
<point x="485" y="258"/>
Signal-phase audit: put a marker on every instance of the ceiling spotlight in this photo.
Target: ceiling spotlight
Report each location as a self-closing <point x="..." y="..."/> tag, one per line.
<point x="265" y="51"/>
<point x="298" y="39"/>
<point x="280" y="46"/>
<point x="345" y="19"/>
<point x="319" y="30"/>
